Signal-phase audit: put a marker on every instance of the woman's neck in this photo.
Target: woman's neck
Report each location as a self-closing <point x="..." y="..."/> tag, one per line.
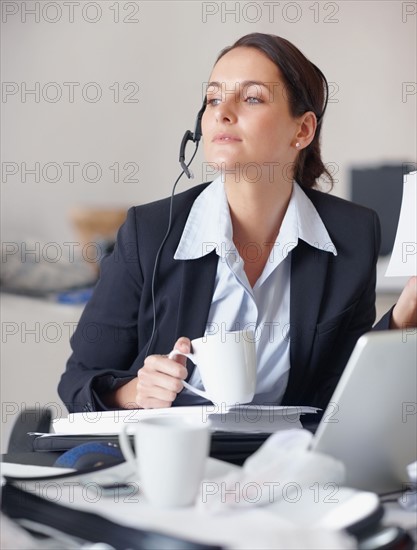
<point x="257" y="209"/>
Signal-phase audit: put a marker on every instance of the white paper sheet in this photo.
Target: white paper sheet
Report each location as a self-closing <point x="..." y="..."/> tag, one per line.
<point x="403" y="260"/>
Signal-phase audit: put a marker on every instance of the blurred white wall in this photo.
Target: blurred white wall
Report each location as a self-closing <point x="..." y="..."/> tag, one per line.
<point x="116" y="84"/>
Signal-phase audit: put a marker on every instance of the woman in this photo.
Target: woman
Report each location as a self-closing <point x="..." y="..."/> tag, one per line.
<point x="258" y="247"/>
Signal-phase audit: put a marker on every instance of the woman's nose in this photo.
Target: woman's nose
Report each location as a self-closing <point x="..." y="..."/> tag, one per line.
<point x="225" y="111"/>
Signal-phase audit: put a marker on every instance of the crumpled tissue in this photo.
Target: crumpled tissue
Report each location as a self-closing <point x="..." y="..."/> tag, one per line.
<point x="278" y="470"/>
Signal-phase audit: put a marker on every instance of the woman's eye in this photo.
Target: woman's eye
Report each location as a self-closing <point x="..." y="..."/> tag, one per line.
<point x="213" y="101"/>
<point x="253" y="100"/>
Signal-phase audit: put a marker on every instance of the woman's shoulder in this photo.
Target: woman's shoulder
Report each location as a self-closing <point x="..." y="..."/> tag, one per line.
<point x="350" y="225"/>
<point x="149" y="222"/>
<point x="334" y="208"/>
<point x="182" y="200"/>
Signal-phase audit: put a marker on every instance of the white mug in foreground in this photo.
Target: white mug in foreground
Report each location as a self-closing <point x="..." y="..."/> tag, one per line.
<point x="170" y="458"/>
<point x="227" y="364"/>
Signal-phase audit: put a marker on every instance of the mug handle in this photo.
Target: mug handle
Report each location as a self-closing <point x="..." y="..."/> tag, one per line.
<point x="125" y="447"/>
<point x="189" y="387"/>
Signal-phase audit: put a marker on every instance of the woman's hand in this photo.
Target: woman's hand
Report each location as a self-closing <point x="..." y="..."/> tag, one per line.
<point x="160" y="379"/>
<point x="157" y="384"/>
<point x="404" y="313"/>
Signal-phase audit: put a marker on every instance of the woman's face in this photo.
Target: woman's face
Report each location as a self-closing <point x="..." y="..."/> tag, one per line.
<point x="247" y="119"/>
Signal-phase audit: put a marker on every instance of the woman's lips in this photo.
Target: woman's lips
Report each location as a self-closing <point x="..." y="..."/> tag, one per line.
<point x="225" y="138"/>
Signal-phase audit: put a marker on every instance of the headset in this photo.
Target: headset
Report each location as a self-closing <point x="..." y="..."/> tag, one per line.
<point x="195" y="138"/>
<point x="191" y="136"/>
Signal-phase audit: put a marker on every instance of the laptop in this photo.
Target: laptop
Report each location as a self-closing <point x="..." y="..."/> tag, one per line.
<point x="370" y="423"/>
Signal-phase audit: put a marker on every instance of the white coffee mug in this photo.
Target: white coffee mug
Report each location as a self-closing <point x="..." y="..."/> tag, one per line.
<point x="171" y="454"/>
<point x="227" y="364"/>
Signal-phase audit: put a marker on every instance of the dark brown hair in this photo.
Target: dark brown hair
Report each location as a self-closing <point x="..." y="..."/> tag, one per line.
<point x="307" y="90"/>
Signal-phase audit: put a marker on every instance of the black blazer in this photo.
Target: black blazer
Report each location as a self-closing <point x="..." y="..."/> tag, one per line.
<point x="332" y="302"/>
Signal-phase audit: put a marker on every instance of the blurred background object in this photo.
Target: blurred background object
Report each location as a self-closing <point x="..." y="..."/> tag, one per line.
<point x="46" y="269"/>
<point x="97" y="226"/>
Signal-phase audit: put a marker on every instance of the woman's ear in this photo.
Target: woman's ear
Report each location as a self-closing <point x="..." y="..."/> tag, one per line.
<point x="307" y="125"/>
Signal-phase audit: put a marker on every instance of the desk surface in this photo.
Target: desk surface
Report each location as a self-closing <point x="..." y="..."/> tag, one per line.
<point x="255" y="528"/>
<point x="244" y="527"/>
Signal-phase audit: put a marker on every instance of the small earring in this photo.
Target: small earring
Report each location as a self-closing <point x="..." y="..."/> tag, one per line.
<point x="297" y="145"/>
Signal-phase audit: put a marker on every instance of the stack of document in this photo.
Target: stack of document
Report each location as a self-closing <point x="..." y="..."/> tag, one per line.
<point x="242" y="419"/>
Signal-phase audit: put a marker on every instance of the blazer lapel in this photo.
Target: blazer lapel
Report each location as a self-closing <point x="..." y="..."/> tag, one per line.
<point x="308" y="279"/>
<point x="195" y="295"/>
